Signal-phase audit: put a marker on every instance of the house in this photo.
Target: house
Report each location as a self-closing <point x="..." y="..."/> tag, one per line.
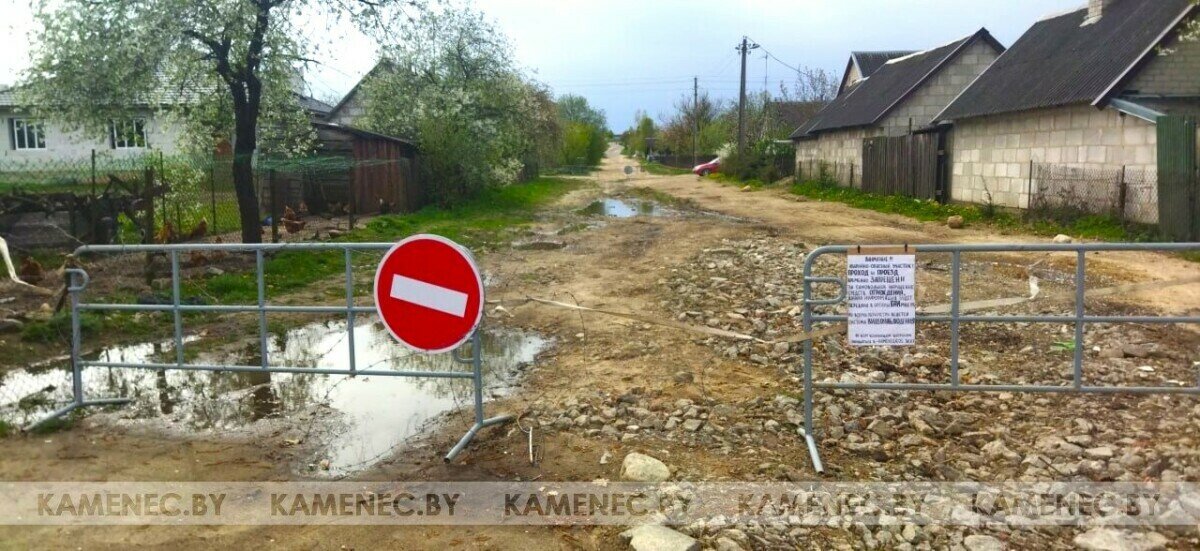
<point x="896" y="98"/>
<point x="32" y="139"/>
<point x="1080" y="93"/>
<point x="863" y="64"/>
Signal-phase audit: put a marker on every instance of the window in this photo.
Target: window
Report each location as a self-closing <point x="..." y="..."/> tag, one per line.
<point x="128" y="134"/>
<point x="27" y="134"/>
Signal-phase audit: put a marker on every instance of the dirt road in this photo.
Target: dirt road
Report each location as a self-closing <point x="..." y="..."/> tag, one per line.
<point x="709" y="255"/>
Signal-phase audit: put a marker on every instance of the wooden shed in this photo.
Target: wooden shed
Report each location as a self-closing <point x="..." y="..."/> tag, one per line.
<point x="353" y="170"/>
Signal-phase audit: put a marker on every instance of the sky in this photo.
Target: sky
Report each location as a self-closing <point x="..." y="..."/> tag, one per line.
<point x="630" y="55"/>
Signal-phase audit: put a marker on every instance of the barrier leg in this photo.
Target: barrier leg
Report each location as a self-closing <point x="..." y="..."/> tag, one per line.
<point x="78" y="281"/>
<point x="477" y="367"/>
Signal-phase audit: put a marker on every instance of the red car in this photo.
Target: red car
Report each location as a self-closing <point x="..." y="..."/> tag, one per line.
<point x="707" y="168"/>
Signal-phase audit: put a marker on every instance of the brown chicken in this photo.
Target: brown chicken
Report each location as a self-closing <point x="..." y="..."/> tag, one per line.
<point x="31" y="271"/>
<point x="199" y="231"/>
<point x="166" y="234"/>
<point x="302" y="210"/>
<point x="291" y="222"/>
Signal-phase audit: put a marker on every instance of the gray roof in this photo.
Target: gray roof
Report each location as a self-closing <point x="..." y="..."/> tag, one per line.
<point x="314" y="105"/>
<point x="869" y="62"/>
<point x="1058" y="62"/>
<point x="360" y="133"/>
<point x="869" y="100"/>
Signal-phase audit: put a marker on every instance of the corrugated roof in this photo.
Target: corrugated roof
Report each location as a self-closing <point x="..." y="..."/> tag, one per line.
<point x="314" y="105"/>
<point x="869" y="62"/>
<point x="1058" y="62"/>
<point x="869" y="100"/>
<point x="360" y="133"/>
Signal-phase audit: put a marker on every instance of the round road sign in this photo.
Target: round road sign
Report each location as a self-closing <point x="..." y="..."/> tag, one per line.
<point x="428" y="293"/>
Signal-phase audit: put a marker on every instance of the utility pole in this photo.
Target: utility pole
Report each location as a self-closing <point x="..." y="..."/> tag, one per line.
<point x="743" y="48"/>
<point x="695" y="116"/>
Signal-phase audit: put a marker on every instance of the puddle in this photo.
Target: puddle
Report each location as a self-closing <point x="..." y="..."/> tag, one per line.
<point x="353" y="420"/>
<point x="622" y="208"/>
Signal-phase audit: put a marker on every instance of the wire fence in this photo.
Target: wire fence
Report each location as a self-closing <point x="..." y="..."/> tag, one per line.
<point x="156" y="198"/>
<point x="841" y="173"/>
<point x="1066" y="194"/>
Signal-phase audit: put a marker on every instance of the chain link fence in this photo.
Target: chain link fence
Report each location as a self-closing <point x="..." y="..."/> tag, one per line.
<point x="1066" y="194"/>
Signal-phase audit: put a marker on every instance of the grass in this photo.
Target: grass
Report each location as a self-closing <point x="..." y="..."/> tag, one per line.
<point x="1100" y="227"/>
<point x="476" y="223"/>
<point x="664" y="170"/>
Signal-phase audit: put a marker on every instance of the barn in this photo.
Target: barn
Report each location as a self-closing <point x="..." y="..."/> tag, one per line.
<point x="353" y="171"/>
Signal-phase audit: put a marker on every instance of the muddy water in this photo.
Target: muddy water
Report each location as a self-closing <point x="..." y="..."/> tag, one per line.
<point x="352" y="421"/>
<point x="622" y="208"/>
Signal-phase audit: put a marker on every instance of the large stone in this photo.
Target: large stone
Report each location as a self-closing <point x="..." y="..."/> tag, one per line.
<point x="977" y="542"/>
<point x="1109" y="539"/>
<point x="654" y="537"/>
<point x="955" y="222"/>
<point x="643" y="468"/>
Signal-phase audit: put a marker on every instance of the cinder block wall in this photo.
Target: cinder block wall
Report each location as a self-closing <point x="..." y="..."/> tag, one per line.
<point x="995" y="152"/>
<point x="1176" y="73"/>
<point x="932" y="97"/>
<point x="840" y="150"/>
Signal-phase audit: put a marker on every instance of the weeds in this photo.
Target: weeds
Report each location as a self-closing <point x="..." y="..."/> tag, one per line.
<point x="664" y="170"/>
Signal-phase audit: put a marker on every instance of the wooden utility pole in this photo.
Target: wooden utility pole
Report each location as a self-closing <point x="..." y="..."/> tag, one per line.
<point x="695" y="116"/>
<point x="743" y="48"/>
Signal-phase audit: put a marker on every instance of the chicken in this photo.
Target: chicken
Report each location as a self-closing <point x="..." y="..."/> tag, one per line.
<point x="199" y="231"/>
<point x="166" y="234"/>
<point x="289" y="214"/>
<point x="293" y="226"/>
<point x="31" y="271"/>
<point x="302" y="210"/>
<point x="197" y="258"/>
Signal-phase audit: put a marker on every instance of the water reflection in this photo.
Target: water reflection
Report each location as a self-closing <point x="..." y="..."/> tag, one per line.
<point x="355" y="419"/>
<point x="620" y="208"/>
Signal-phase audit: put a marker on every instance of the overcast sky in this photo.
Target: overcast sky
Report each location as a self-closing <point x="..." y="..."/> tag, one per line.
<point x="625" y="55"/>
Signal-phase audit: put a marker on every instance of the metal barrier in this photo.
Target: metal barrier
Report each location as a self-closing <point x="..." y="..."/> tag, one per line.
<point x="78" y="281"/>
<point x="955" y="318"/>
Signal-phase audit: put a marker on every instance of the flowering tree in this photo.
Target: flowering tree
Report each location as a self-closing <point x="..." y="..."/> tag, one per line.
<point x="222" y="68"/>
<point x="450" y="84"/>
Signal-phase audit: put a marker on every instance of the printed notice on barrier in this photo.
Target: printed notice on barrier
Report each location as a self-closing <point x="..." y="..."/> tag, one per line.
<point x="881" y="293"/>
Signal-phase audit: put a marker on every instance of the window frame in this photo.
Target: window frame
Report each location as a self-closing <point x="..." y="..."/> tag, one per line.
<point x="139" y="138"/>
<point x="31" y="130"/>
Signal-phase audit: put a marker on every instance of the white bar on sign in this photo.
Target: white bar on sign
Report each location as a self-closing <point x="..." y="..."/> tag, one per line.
<point x="430" y="296"/>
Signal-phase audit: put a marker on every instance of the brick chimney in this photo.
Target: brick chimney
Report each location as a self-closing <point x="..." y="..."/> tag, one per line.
<point x="1095" y="11"/>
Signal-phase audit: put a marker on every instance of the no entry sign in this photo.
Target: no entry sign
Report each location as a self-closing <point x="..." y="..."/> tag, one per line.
<point x="428" y="293"/>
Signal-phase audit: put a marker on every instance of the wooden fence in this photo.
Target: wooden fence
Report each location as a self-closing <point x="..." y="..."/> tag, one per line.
<point x="904" y="165"/>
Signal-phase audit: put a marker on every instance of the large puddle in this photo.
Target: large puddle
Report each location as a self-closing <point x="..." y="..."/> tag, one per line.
<point x="623" y="208"/>
<point x="354" y="420"/>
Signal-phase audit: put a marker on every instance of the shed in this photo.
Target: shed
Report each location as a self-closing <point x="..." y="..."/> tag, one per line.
<point x="353" y="171"/>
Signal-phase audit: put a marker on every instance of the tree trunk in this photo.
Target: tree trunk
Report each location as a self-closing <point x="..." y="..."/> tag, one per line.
<point x="243" y="178"/>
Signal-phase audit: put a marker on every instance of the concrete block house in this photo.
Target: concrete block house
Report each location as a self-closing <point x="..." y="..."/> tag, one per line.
<point x="1075" y="101"/>
<point x="888" y="94"/>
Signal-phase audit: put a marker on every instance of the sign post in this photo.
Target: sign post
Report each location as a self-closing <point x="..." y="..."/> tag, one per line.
<point x="429" y="294"/>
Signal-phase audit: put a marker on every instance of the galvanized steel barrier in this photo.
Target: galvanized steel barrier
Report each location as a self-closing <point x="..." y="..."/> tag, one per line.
<point x="955" y="318"/>
<point x="78" y="281"/>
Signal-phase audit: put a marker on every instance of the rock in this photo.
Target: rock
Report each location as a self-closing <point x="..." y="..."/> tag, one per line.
<point x="213" y="271"/>
<point x="1102" y="452"/>
<point x="684" y="377"/>
<point x="1055" y="446"/>
<point x="654" y="537"/>
<point x="955" y="222"/>
<point x="643" y="468"/>
<point x="11" y="325"/>
<point x="1136" y="351"/>
<point x="1109" y="539"/>
<point x="976" y="542"/>
<point x="1060" y="238"/>
<point x="692" y="425"/>
<point x="726" y="544"/>
<point x="1112" y="353"/>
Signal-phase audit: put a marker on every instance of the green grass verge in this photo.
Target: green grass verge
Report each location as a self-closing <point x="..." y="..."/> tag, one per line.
<point x="660" y="169"/>
<point x="1100" y="227"/>
<point x="478" y="222"/>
